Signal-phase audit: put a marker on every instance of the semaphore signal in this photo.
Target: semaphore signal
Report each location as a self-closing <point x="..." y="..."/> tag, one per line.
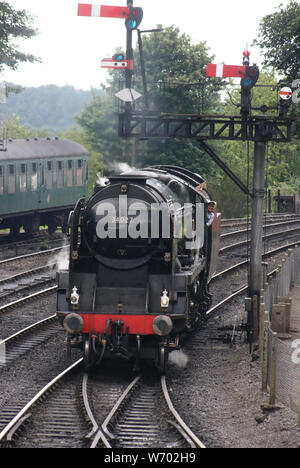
<point x="225" y="71"/>
<point x="132" y="15"/>
<point x="103" y="11"/>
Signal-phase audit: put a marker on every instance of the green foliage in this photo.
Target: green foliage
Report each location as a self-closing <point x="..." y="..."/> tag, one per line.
<point x="175" y="70"/>
<point x="51" y="106"/>
<point x="95" y="157"/>
<point x="282" y="159"/>
<point x="99" y="122"/>
<point x="279" y="38"/>
<point x="12" y="128"/>
<point x="14" y="24"/>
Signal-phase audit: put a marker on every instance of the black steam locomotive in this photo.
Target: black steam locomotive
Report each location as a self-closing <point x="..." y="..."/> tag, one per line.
<point x="143" y="249"/>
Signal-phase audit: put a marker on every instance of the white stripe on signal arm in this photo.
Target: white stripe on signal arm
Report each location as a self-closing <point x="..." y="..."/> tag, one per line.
<point x="96" y="10"/>
<point x="219" y="71"/>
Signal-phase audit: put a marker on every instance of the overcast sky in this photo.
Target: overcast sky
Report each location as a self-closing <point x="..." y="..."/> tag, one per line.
<point x="71" y="47"/>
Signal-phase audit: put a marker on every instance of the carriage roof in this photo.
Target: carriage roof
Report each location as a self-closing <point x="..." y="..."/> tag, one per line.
<point x="41" y="148"/>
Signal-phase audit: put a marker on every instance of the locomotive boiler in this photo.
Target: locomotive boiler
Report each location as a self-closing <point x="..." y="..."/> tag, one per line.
<point x="143" y="250"/>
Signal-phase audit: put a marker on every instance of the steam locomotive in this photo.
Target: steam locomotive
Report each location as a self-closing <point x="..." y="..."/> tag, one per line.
<point x="143" y="250"/>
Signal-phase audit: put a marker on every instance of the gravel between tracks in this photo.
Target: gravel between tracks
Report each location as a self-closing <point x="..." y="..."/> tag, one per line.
<point x="219" y="392"/>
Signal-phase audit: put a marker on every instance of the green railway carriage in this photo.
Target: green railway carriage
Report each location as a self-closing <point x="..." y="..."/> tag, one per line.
<point x="40" y="182"/>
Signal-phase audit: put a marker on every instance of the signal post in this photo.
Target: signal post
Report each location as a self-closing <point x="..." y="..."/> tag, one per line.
<point x="245" y="127"/>
<point x="256" y="269"/>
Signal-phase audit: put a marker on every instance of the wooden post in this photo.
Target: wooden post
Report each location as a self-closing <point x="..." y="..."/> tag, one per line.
<point x="272" y="399"/>
<point x="261" y="329"/>
<point x="279" y="318"/>
<point x="265" y="350"/>
<point x="255" y="309"/>
<point x="287" y="302"/>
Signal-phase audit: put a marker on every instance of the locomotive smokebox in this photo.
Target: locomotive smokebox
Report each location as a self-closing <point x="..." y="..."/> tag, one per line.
<point x="73" y="323"/>
<point x="162" y="325"/>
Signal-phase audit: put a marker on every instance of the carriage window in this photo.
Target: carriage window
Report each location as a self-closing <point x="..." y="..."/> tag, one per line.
<point x="34" y="177"/>
<point x="60" y="175"/>
<point x="11" y="178"/>
<point x="79" y="173"/>
<point x="23" y="177"/>
<point x="49" y="175"/>
<point x="70" y="174"/>
<point x="1" y="180"/>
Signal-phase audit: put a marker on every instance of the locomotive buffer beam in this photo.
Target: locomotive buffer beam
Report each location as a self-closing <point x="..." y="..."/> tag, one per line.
<point x="201" y="127"/>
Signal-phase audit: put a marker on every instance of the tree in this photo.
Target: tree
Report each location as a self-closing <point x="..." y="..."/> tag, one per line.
<point x="279" y="38"/>
<point x="14" y="24"/>
<point x="11" y="127"/>
<point x="176" y="71"/>
<point x="282" y="159"/>
<point x="47" y="106"/>
<point x="95" y="157"/>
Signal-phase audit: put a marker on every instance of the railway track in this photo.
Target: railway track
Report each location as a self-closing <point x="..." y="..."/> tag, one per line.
<point x="28" y="243"/>
<point x="228" y="224"/>
<point x="112" y="425"/>
<point x="28" y="281"/>
<point x="142" y="416"/>
<point x="20" y="342"/>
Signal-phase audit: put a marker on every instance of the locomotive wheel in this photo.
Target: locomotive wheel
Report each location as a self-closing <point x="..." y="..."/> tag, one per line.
<point x="87" y="352"/>
<point x="163" y="356"/>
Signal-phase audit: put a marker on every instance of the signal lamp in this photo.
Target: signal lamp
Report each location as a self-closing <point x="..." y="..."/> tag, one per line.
<point x="252" y="74"/>
<point x="135" y="18"/>
<point x="119" y="57"/>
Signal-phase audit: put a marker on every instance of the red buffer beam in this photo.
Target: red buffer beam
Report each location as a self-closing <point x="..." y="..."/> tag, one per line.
<point x="103" y="11"/>
<point x="225" y="71"/>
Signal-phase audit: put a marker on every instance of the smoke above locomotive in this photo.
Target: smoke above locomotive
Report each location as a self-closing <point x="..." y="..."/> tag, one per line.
<point x="143" y="249"/>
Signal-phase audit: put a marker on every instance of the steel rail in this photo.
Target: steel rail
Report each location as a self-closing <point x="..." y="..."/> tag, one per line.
<point x="15" y="423"/>
<point x="179" y="424"/>
<point x="265" y="226"/>
<point x="23" y="300"/>
<point x="268" y="217"/>
<point x="267" y="236"/>
<point x="27" y="273"/>
<point x="18" y="334"/>
<point x="111" y="414"/>
<point x="186" y="430"/>
<point x="236" y="293"/>
<point x="246" y="262"/>
<point x="34" y="254"/>
<point x="95" y="426"/>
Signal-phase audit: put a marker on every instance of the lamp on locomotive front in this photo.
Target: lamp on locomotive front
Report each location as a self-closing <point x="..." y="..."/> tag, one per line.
<point x="164" y="301"/>
<point x="74" y="298"/>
